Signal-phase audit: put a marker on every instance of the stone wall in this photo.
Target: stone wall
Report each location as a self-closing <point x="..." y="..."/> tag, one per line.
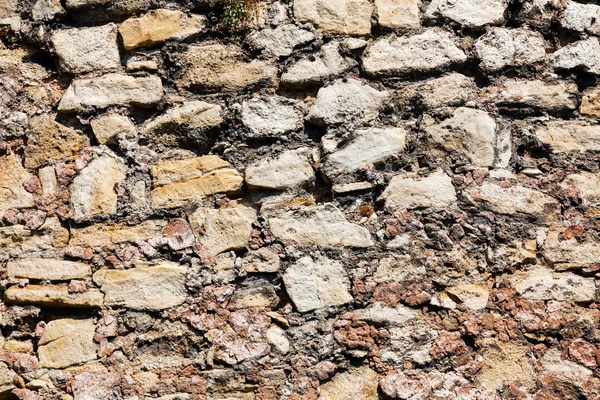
<point x="299" y="200"/>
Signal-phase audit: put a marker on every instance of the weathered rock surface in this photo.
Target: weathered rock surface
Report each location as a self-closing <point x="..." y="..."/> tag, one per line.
<point x="569" y="136"/>
<point x="291" y="169"/>
<point x="516" y="199"/>
<point x="398" y="13"/>
<point x="505" y="363"/>
<point x="541" y="283"/>
<point x="451" y="90"/>
<point x="47" y="269"/>
<point x="66" y="342"/>
<point x="13" y="177"/>
<point x="108" y="127"/>
<point x="261" y="260"/>
<point x="108" y="234"/>
<point x="358" y="382"/>
<point x="500" y="48"/>
<point x="339" y="17"/>
<point x="280" y="41"/>
<point x="152" y="288"/>
<point x="582" y="55"/>
<point x="322" y="225"/>
<point x="539" y="95"/>
<point x="314" y="283"/>
<point x="433" y="191"/>
<point x="431" y="51"/>
<point x="581" y="17"/>
<point x="590" y="101"/>
<point x="158" y="26"/>
<point x="53" y="296"/>
<point x="7" y="377"/>
<point x="468" y="13"/>
<point x="271" y="116"/>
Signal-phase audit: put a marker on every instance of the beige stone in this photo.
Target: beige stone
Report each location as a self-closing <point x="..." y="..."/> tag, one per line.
<point x="50" y="141"/>
<point x="398" y="13"/>
<point x="53" y="296"/>
<point x="504" y="363"/>
<point x="567" y="136"/>
<point x="7" y="377"/>
<point x="356" y="383"/>
<point x="223" y="229"/>
<point x="48" y="181"/>
<point x="590" y="102"/>
<point x="107" y="127"/>
<point x="289" y="170"/>
<point x="192" y="115"/>
<point x="98" y="235"/>
<point x="93" y="190"/>
<point x="516" y="199"/>
<point x="151" y="288"/>
<point x="261" y="260"/>
<point x="276" y="338"/>
<point x="158" y="26"/>
<point x="217" y="68"/>
<point x="340" y="17"/>
<point x="67" y="342"/>
<point x="473" y="296"/>
<point x="259" y="296"/>
<point x="410" y="192"/>
<point x="15" y="239"/>
<point x="541" y="283"/>
<point x="551" y="96"/>
<point x="12" y="179"/>
<point x="176" y="182"/>
<point x="47" y="269"/>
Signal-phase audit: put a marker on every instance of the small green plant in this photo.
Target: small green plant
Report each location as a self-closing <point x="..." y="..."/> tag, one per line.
<point x="237" y="13"/>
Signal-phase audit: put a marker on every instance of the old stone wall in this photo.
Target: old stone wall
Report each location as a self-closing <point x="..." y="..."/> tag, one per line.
<point x="299" y="200"/>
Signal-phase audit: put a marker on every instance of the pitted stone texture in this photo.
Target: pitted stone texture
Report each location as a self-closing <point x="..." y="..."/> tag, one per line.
<point x="569" y="254"/>
<point x="50" y="142"/>
<point x="111" y="90"/>
<point x="223" y="229"/>
<point x="431" y="51"/>
<point x="500" y="48"/>
<point x="291" y="169"/>
<point x="7" y="375"/>
<point x="53" y="296"/>
<point x="540" y="13"/>
<point x="217" y="68"/>
<point x="569" y="136"/>
<point x="581" y="17"/>
<point x="398" y="13"/>
<point x="177" y="182"/>
<point x="503" y="364"/>
<point x="590" y="102"/>
<point x="13" y="177"/>
<point x="451" y="90"/>
<point x="540" y="95"/>
<point x="516" y="199"/>
<point x="345" y="102"/>
<point x="93" y="190"/>
<point x="108" y="127"/>
<point x="587" y="184"/>
<point x="360" y="383"/>
<point x="47" y="269"/>
<point x="268" y="116"/>
<point x="98" y="235"/>
<point x="151" y="288"/>
<point x="474" y="14"/>
<point x="412" y="340"/>
<point x="367" y="146"/>
<point x="46" y="10"/>
<point x="67" y="342"/>
<point x="316" y="68"/>
<point x="410" y="192"/>
<point x="87" y="49"/>
<point x="583" y="55"/>
<point x="261" y="260"/>
<point x="322" y="225"/>
<point x="158" y="26"/>
<point x="339" y="17"/>
<point x="541" y="283"/>
<point x="280" y="41"/>
<point x="314" y="283"/>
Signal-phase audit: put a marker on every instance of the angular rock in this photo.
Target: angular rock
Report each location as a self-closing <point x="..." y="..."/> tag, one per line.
<point x="47" y="269"/>
<point x="516" y="199"/>
<point x="583" y="55"/>
<point x="468" y="13"/>
<point x="503" y="364"/>
<point x="223" y="229"/>
<point x="111" y="90"/>
<point x="588" y="186"/>
<point x="98" y="235"/>
<point x="217" y="68"/>
<point x="322" y="225"/>
<point x="540" y="14"/>
<point x="360" y="383"/>
<point x="50" y="141"/>
<point x="379" y="314"/>
<point x="317" y="283"/>
<point x="15" y="239"/>
<point x="259" y="296"/>
<point x="276" y="338"/>
<point x="339" y="17"/>
<point x="98" y="11"/>
<point x="108" y="127"/>
<point x="291" y="169"/>
<point x="503" y="47"/>
<point x="67" y="342"/>
<point x="158" y="26"/>
<point x="46" y="10"/>
<point x="412" y="340"/>
<point x="83" y="50"/>
<point x="451" y="90"/>
<point x="431" y="51"/>
<point x="472" y="296"/>
<point x="261" y="260"/>
<point x="7" y="375"/>
<point x="53" y="296"/>
<point x="268" y="116"/>
<point x="590" y="102"/>
<point x="13" y="178"/>
<point x="8" y="8"/>
<point x="569" y="254"/>
<point x="581" y="17"/>
<point x="93" y="190"/>
<point x="409" y="192"/>
<point x="346" y="102"/>
<point x="537" y="95"/>
<point x="367" y="146"/>
<point x="152" y="288"/>
<point x="280" y="41"/>
<point x="176" y="182"/>
<point x="468" y="131"/>
<point x="316" y="68"/>
<point x="569" y="136"/>
<point x="398" y="13"/>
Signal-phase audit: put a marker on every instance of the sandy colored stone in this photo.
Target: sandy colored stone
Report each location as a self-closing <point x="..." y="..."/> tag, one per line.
<point x="276" y="338"/>
<point x="176" y="182"/>
<point x="47" y="176"/>
<point x="569" y="254"/>
<point x="47" y="269"/>
<point x="258" y="296"/>
<point x="356" y="383"/>
<point x="516" y="199"/>
<point x="93" y="190"/>
<point x="151" y="288"/>
<point x="111" y="90"/>
<point x="551" y="96"/>
<point x="50" y="142"/>
<point x="473" y="296"/>
<point x="541" y="283"/>
<point x="15" y="239"/>
<point x="98" y="235"/>
<point x="590" y="101"/>
<point x="339" y="17"/>
<point x="7" y="377"/>
<point x="12" y="179"/>
<point x="569" y="136"/>
<point x="410" y="192"/>
<point x="385" y="315"/>
<point x="223" y="229"/>
<point x="504" y="363"/>
<point x="289" y="170"/>
<point x="217" y="68"/>
<point x="158" y="26"/>
<point x="67" y="342"/>
<point x="398" y="13"/>
<point x="53" y="296"/>
<point x="109" y="126"/>
<point x="268" y="116"/>
<point x="261" y="260"/>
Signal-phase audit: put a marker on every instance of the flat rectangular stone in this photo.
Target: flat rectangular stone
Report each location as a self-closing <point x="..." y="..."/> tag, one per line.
<point x="47" y="269"/>
<point x="53" y="296"/>
<point x="103" y="235"/>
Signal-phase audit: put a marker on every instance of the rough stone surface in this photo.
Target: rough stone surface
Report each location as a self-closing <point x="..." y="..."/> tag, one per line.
<point x="581" y="17"/>
<point x="468" y="13"/>
<point x="540" y="95"/>
<point x="398" y="13"/>
<point x="500" y="48"/>
<point x="13" y="177"/>
<point x="516" y="199"/>
<point x="433" y="191"/>
<point x="66" y="342"/>
<point x="271" y="116"/>
<point x="53" y="296"/>
<point x="590" y="101"/>
<point x="582" y="55"/>
<point x="48" y="269"/>
<point x="281" y="41"/>
<point x="569" y="136"/>
<point x="289" y="170"/>
<point x="357" y="382"/>
<point x="540" y="283"/>
<point x="339" y="17"/>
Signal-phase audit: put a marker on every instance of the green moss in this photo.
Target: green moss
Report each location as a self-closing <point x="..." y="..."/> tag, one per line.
<point x="237" y="13"/>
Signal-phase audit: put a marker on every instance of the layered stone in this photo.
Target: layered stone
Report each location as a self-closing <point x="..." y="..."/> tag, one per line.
<point x="47" y="269"/>
<point x="53" y="296"/>
<point x="98" y="235"/>
<point x="67" y="342"/>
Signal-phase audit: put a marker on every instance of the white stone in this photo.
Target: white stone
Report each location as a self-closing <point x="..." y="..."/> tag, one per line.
<point x="541" y="283"/>
<point x="551" y="96"/>
<point x="473" y="14"/>
<point x="267" y="116"/>
<point x="587" y="184"/>
<point x="291" y="169"/>
<point x="569" y="136"/>
<point x="410" y="192"/>
<point x="339" y="17"/>
<point x="385" y="315"/>
<point x="398" y="13"/>
<point x="317" y="283"/>
<point x="508" y="47"/>
<point x="451" y="90"/>
<point x="47" y="269"/>
<point x="516" y="199"/>
<point x="581" y="17"/>
<point x="276" y="338"/>
<point x="582" y="55"/>
<point x="280" y="41"/>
